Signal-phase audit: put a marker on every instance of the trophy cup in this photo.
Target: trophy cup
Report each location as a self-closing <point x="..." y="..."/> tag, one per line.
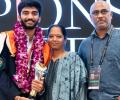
<point x="40" y="71"/>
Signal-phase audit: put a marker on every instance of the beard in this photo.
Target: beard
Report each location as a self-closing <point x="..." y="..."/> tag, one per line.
<point x="29" y="26"/>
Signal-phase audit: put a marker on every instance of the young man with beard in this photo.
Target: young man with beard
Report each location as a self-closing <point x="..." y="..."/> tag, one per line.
<point x="20" y="50"/>
<point x="101" y="54"/>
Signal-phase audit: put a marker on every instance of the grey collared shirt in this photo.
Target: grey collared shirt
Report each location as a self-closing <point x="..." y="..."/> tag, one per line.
<point x="110" y="68"/>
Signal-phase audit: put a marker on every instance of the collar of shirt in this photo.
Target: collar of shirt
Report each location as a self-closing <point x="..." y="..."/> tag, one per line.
<point x="94" y="33"/>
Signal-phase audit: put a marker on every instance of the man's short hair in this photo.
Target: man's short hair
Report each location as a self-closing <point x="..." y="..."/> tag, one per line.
<point x="29" y="3"/>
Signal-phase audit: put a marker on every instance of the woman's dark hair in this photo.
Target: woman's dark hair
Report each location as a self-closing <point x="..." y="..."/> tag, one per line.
<point x="29" y="3"/>
<point x="63" y="30"/>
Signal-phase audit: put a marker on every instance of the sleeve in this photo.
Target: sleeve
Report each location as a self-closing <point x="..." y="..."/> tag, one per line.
<point x="8" y="89"/>
<point x="84" y="50"/>
<point x="80" y="49"/>
<point x="80" y="79"/>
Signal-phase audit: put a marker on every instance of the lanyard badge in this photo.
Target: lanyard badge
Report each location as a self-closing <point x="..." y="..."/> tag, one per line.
<point x="94" y="77"/>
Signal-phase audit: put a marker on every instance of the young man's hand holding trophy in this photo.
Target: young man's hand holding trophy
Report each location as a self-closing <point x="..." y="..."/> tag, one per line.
<point x="40" y="72"/>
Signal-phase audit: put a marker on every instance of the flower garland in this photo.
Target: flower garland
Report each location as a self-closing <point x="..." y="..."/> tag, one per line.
<point x="22" y="78"/>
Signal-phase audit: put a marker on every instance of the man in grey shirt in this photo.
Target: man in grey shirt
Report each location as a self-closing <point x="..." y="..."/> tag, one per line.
<point x="101" y="55"/>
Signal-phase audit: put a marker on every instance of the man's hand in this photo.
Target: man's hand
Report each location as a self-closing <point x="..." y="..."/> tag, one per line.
<point x="38" y="85"/>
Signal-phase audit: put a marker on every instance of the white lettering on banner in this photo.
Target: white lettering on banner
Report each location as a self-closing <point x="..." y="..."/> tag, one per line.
<point x="82" y="9"/>
<point x="72" y="43"/>
<point x="17" y="2"/>
<point x="114" y="9"/>
<point x="59" y="13"/>
<point x="8" y="7"/>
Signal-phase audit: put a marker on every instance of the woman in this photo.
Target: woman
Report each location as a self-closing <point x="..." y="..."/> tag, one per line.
<point x="66" y="72"/>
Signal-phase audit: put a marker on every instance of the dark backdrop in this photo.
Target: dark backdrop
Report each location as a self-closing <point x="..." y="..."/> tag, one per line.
<point x="72" y="15"/>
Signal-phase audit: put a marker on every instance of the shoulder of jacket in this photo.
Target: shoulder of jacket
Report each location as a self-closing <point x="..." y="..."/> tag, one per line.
<point x="10" y="41"/>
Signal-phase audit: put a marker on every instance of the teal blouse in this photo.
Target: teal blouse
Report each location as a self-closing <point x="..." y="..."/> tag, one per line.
<point x="66" y="79"/>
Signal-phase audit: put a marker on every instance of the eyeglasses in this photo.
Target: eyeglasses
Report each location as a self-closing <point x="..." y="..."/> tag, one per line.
<point x="103" y="12"/>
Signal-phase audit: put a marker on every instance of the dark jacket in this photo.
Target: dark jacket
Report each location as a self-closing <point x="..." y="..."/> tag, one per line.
<point x="8" y="89"/>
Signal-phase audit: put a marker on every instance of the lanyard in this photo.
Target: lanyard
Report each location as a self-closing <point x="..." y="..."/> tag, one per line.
<point x="103" y="52"/>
